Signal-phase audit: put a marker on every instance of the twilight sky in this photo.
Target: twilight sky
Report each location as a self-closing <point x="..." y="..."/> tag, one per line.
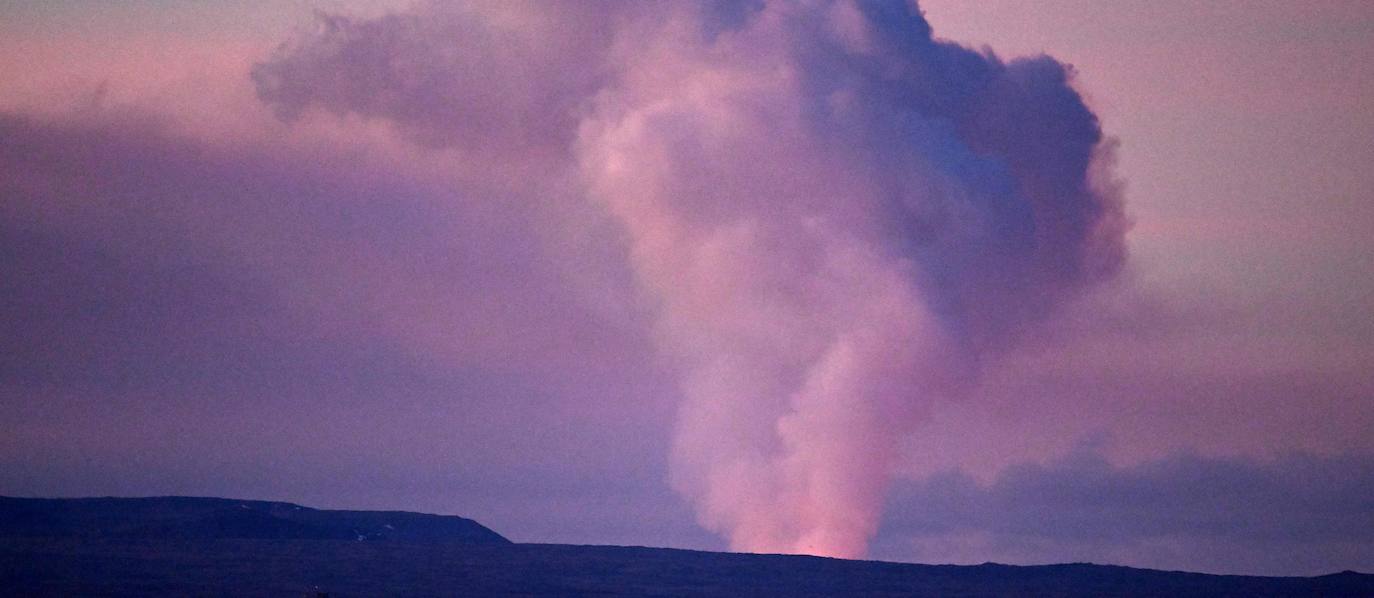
<point x="784" y="277"/>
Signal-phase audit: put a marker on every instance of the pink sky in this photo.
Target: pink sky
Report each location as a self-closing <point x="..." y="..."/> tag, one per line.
<point x="361" y="308"/>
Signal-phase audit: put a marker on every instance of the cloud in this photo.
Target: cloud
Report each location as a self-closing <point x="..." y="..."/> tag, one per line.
<point x="841" y="219"/>
<point x="1297" y="514"/>
<point x="254" y="318"/>
<point x="837" y="217"/>
<point x="502" y="78"/>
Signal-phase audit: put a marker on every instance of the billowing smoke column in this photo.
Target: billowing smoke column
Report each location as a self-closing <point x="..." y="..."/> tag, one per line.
<point x="837" y="217"/>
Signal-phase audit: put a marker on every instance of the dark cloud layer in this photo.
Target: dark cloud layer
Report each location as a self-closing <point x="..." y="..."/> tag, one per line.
<point x="1291" y="515"/>
<point x="205" y="318"/>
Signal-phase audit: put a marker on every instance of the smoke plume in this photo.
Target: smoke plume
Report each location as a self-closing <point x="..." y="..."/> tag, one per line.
<point x="837" y="217"/>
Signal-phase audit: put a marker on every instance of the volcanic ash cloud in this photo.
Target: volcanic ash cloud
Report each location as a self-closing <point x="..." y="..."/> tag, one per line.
<point x="837" y="217"/>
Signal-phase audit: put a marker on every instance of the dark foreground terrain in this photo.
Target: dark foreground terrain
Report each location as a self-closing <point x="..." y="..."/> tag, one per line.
<point x="79" y="562"/>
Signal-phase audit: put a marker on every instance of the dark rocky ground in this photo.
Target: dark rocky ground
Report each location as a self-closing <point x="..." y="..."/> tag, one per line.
<point x="256" y="567"/>
<point x="197" y="563"/>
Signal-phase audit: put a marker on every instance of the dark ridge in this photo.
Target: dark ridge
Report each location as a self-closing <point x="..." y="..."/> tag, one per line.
<point x="193" y="518"/>
<point x="210" y="546"/>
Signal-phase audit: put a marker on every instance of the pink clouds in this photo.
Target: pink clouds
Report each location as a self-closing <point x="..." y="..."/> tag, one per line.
<point x="834" y="216"/>
<point x="833" y="249"/>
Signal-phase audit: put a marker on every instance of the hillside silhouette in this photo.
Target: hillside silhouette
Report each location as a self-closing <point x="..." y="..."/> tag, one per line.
<point x="197" y="546"/>
<point x="195" y="518"/>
